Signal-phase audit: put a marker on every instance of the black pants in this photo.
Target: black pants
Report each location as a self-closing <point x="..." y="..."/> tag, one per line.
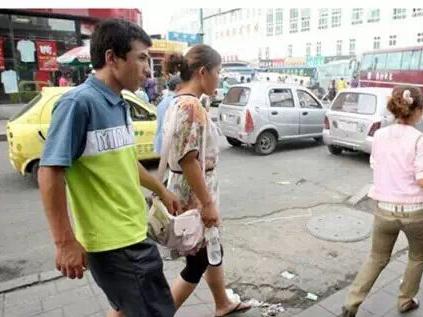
<point x="196" y="265"/>
<point x="132" y="279"/>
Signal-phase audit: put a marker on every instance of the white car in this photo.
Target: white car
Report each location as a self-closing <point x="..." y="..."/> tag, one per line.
<point x="263" y="113"/>
<point x="354" y="116"/>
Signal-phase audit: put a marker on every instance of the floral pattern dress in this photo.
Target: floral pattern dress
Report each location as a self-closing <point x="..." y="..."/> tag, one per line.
<point x="192" y="127"/>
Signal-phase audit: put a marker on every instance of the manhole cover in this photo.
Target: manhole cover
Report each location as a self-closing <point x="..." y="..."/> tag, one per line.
<point x="339" y="227"/>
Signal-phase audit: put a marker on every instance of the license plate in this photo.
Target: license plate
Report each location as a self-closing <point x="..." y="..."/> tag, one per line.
<point x="347" y="126"/>
<point x="230" y="118"/>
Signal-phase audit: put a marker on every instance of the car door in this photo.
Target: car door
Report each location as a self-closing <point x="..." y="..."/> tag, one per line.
<point x="312" y="114"/>
<point x="144" y="124"/>
<point x="46" y="112"/>
<point x="283" y="113"/>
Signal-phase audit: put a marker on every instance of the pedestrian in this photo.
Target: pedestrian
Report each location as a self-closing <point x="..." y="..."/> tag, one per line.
<point x="63" y="81"/>
<point x="90" y="148"/>
<point x="173" y="85"/>
<point x="199" y="71"/>
<point x="150" y="89"/>
<point x="332" y="90"/>
<point x="225" y="86"/>
<point x="248" y="80"/>
<point x="242" y="79"/>
<point x="341" y="84"/>
<point x="302" y="82"/>
<point x="355" y="82"/>
<point x="397" y="162"/>
<point x="140" y="92"/>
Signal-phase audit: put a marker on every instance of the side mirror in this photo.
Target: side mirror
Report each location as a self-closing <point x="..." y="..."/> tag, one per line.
<point x="302" y="104"/>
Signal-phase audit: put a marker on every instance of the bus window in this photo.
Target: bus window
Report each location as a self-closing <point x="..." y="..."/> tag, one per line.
<point x="414" y="60"/>
<point x="367" y="62"/>
<point x="421" y="60"/>
<point x="406" y="60"/>
<point x="393" y="60"/>
<point x="379" y="61"/>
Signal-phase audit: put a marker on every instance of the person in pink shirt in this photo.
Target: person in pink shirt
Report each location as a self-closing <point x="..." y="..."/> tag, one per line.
<point x="63" y="82"/>
<point x="397" y="162"/>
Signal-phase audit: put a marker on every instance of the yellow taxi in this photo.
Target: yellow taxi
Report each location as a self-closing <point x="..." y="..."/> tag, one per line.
<point x="27" y="130"/>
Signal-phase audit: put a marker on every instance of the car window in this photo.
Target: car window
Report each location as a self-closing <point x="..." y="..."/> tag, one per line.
<point x="355" y="103"/>
<point x="138" y="113"/>
<point x="281" y="98"/>
<point x="28" y="106"/>
<point x="307" y="100"/>
<point x="237" y="96"/>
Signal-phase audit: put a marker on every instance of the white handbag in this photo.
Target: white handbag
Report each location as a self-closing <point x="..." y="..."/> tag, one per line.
<point x="183" y="233"/>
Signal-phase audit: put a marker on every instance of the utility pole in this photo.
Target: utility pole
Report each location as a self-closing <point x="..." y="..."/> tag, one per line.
<point x="201" y="26"/>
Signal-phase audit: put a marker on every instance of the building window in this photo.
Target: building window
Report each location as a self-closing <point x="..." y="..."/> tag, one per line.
<point x="269" y="21"/>
<point x="376" y="42"/>
<point x="417" y="12"/>
<point x="305" y="20"/>
<point x="352" y="47"/>
<point x="290" y="50"/>
<point x="279" y="21"/>
<point x="339" y="47"/>
<point x="374" y="15"/>
<point x="267" y="53"/>
<point x="392" y="40"/>
<point x="357" y="16"/>
<point x="420" y="37"/>
<point x="323" y="19"/>
<point x="319" y="48"/>
<point x="308" y="49"/>
<point x="259" y="54"/>
<point x="399" y="13"/>
<point x="336" y="17"/>
<point x="293" y="20"/>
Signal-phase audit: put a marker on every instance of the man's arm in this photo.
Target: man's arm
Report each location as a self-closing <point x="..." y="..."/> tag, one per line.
<point x="70" y="255"/>
<point x="152" y="183"/>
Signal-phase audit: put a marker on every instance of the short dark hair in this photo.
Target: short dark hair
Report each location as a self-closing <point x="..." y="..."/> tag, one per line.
<point x="117" y="35"/>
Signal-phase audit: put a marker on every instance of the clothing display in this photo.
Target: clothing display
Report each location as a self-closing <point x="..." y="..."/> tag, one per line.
<point x="27" y="49"/>
<point x="9" y="80"/>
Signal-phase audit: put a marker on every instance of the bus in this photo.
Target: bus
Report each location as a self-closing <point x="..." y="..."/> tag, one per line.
<point x="335" y="70"/>
<point x="392" y="67"/>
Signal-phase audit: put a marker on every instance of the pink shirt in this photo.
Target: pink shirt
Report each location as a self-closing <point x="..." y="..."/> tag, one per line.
<point x="397" y="162"/>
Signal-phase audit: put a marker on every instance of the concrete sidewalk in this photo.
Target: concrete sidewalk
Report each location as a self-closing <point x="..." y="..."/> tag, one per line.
<point x="57" y="296"/>
<point x="51" y="295"/>
<point x="381" y="301"/>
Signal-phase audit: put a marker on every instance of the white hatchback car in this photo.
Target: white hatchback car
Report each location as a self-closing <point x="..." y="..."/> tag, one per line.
<point x="263" y="113"/>
<point x="354" y="116"/>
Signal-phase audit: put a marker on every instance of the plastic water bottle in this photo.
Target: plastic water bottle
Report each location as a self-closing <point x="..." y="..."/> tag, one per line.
<point x="214" y="252"/>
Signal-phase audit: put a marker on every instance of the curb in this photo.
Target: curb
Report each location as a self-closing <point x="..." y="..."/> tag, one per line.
<point x="29" y="280"/>
<point x="359" y="196"/>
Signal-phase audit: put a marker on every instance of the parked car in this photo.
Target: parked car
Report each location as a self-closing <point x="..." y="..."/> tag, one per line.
<point x="26" y="132"/>
<point x="263" y="113"/>
<point x="219" y="94"/>
<point x="353" y="118"/>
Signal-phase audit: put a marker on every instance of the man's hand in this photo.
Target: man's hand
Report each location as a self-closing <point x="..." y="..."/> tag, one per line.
<point x="210" y="215"/>
<point x="171" y="202"/>
<point x="71" y="259"/>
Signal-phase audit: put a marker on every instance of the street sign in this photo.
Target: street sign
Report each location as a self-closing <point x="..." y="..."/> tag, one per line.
<point x="189" y="38"/>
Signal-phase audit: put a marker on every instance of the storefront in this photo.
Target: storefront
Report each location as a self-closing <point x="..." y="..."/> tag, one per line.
<point x="31" y="40"/>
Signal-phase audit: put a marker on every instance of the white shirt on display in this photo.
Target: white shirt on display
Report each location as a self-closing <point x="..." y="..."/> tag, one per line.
<point x="10" y="81"/>
<point x="27" y="49"/>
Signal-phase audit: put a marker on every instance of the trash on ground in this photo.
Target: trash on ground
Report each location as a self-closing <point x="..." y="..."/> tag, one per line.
<point x="287" y="275"/>
<point x="273" y="310"/>
<point x="312" y="296"/>
<point x="284" y="183"/>
<point x="234" y="297"/>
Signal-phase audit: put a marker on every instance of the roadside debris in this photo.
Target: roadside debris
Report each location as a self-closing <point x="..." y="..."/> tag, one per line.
<point x="288" y="275"/>
<point x="312" y="296"/>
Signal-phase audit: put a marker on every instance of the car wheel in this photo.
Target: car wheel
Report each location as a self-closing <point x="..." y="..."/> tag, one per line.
<point x="319" y="140"/>
<point x="335" y="150"/>
<point x="266" y="143"/>
<point x="34" y="172"/>
<point x="234" y="142"/>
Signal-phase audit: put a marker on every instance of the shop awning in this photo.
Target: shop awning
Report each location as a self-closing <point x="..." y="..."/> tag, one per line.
<point x="76" y="56"/>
